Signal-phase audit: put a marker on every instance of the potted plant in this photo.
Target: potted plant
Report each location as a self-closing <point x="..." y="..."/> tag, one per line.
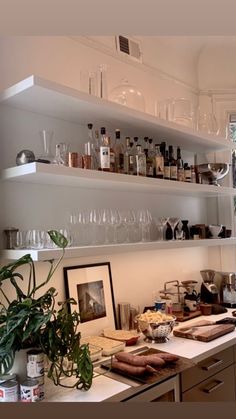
<point x="32" y="321"/>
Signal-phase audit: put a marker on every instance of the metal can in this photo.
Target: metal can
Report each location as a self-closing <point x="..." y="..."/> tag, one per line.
<point x="41" y="387"/>
<point x="7" y="377"/>
<point x="29" y="390"/>
<point x="9" y="391"/>
<point x="35" y="363"/>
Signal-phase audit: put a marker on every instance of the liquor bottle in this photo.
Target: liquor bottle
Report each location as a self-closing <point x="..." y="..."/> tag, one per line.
<point x="159" y="163"/>
<point x="129" y="157"/>
<point x="163" y="148"/>
<point x="104" y="151"/>
<point x="135" y="142"/>
<point x="180" y="166"/>
<point x="150" y="159"/>
<point x="132" y="158"/>
<point x="145" y="146"/>
<point x="173" y="164"/>
<point x="187" y="173"/>
<point x="193" y="174"/>
<point x="112" y="157"/>
<point x="166" y="166"/>
<point x="90" y="157"/>
<point x="119" y="153"/>
<point x="140" y="161"/>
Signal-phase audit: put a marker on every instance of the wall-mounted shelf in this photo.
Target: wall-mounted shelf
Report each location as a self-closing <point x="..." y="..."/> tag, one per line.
<point x="72" y="252"/>
<point x="38" y="95"/>
<point x="50" y="174"/>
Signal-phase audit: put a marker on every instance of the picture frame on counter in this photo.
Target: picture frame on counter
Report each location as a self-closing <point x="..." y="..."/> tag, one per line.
<point x="92" y="289"/>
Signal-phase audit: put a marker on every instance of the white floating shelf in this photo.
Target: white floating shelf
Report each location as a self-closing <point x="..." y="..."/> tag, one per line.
<point x="50" y="174"/>
<point x="46" y="97"/>
<point x="76" y="252"/>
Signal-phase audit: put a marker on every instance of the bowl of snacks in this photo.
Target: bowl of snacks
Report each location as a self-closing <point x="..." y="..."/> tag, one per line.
<point x="155" y="325"/>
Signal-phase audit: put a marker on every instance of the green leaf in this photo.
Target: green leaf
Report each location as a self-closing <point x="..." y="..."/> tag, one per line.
<point x="58" y="238"/>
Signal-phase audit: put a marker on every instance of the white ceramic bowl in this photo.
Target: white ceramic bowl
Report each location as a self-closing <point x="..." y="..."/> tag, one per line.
<point x="215" y="230"/>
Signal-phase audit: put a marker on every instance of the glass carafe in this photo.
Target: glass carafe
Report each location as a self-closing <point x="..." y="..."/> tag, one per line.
<point x="46" y="138"/>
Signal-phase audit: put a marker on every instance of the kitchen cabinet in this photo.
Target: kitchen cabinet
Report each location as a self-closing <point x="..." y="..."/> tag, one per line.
<point x="38" y="96"/>
<point x="211" y="380"/>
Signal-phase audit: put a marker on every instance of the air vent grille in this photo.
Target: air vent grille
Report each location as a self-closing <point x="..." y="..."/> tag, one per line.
<point x="129" y="47"/>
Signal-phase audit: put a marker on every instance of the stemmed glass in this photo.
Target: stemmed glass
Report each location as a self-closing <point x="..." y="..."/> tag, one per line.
<point x="95" y="221"/>
<point x="106" y="221"/>
<point x="144" y="217"/>
<point x="162" y="223"/>
<point x="128" y="219"/>
<point x="173" y="221"/>
<point x="115" y="222"/>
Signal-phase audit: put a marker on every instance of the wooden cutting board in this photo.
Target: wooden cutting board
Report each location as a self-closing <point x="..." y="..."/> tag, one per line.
<point x="204" y="333"/>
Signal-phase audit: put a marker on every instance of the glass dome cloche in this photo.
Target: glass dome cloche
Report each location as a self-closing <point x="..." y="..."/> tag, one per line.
<point x="128" y="95"/>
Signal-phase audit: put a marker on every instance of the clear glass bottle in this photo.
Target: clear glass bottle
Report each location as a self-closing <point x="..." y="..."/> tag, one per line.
<point x="92" y="149"/>
<point x="104" y="163"/>
<point x="140" y="161"/>
<point x="159" y="162"/>
<point x="60" y="156"/>
<point x="112" y="157"/>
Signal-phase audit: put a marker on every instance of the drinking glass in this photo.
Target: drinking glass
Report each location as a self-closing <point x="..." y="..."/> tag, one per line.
<point x="35" y="239"/>
<point x="115" y="222"/>
<point x="46" y="138"/>
<point x="102" y="81"/>
<point x="128" y="219"/>
<point x="162" y="221"/>
<point x="95" y="221"/>
<point x="89" y="82"/>
<point x="173" y="221"/>
<point x="61" y="154"/>
<point x="144" y="218"/>
<point x="83" y="224"/>
<point x="106" y="222"/>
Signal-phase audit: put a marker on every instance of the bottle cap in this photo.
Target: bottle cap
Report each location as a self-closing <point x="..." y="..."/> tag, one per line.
<point x="90" y="126"/>
<point x="103" y="130"/>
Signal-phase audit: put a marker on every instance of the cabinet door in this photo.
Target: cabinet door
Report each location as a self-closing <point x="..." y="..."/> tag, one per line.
<point x="206" y="368"/>
<point x="219" y="387"/>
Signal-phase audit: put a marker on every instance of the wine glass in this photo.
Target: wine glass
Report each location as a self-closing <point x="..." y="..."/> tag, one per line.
<point x="162" y="223"/>
<point x="115" y="222"/>
<point x="173" y="221"/>
<point x="95" y="221"/>
<point x="144" y="217"/>
<point x="128" y="219"/>
<point x="106" y="222"/>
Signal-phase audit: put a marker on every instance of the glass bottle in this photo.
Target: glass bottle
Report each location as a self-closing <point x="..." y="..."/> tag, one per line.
<point x="150" y="159"/>
<point x="60" y="156"/>
<point x="104" y="163"/>
<point x="140" y="161"/>
<point x="166" y="166"/>
<point x="112" y="157"/>
<point x="145" y="145"/>
<point x="119" y="153"/>
<point x="180" y="166"/>
<point x="185" y="229"/>
<point x="187" y="173"/>
<point x="159" y="163"/>
<point x="173" y="164"/>
<point x="92" y="149"/>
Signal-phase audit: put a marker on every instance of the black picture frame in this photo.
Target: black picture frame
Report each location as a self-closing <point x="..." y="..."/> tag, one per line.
<point x="91" y="287"/>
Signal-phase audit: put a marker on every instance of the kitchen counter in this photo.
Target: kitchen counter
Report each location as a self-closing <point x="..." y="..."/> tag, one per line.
<point x="104" y="387"/>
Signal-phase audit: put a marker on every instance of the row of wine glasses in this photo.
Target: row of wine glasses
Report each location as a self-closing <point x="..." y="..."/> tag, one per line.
<point x="101" y="226"/>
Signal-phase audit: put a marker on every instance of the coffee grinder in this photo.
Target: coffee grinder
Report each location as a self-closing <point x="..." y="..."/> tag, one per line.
<point x="209" y="291"/>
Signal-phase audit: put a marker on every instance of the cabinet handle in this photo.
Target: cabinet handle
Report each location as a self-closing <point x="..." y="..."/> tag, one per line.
<point x="215" y="387"/>
<point x="215" y="364"/>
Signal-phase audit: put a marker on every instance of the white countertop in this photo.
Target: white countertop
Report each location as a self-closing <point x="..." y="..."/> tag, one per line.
<point x="104" y="387"/>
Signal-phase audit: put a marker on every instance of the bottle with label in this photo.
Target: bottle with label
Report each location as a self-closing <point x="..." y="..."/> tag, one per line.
<point x="173" y="164"/>
<point x="112" y="157"/>
<point x="104" y="151"/>
<point x="119" y="153"/>
<point x="159" y="163"/>
<point x="193" y="174"/>
<point x="145" y="145"/>
<point x="166" y="166"/>
<point x="127" y="154"/>
<point x="140" y="161"/>
<point x="180" y="166"/>
<point x="187" y="173"/>
<point x="150" y="159"/>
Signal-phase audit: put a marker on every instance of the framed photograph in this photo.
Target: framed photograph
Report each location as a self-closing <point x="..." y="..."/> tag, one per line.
<point x="91" y="287"/>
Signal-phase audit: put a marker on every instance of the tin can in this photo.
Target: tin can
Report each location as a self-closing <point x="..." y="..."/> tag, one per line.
<point x="9" y="391"/>
<point x="7" y="377"/>
<point x="29" y="390"/>
<point x="35" y="363"/>
<point x="41" y="387"/>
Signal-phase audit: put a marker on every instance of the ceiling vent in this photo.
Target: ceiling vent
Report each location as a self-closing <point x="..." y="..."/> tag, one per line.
<point x="129" y="47"/>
